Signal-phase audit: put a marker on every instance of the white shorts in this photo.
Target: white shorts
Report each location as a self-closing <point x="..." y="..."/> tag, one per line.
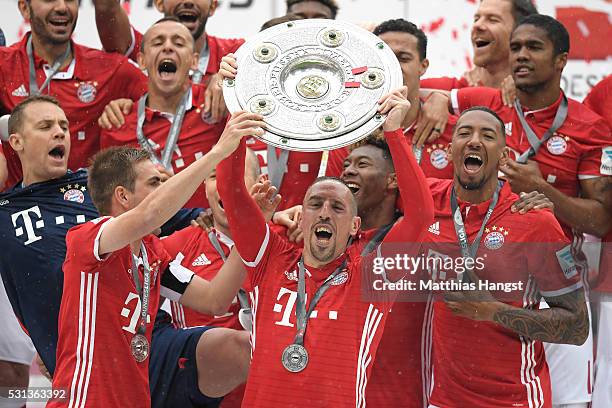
<point x="571" y="370"/>
<point x="15" y="345"/>
<point x="602" y="391"/>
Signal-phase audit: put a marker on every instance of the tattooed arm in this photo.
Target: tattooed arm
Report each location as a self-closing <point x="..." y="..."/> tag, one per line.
<point x="567" y="320"/>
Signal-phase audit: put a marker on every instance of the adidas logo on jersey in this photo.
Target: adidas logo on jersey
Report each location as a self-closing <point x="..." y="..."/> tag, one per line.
<point x="434" y="228"/>
<point x="201" y="260"/>
<point x="21" y="91"/>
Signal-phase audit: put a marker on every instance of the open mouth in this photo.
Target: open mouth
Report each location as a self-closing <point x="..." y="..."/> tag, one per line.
<point x="480" y="43"/>
<point x="166" y="68"/>
<point x="323" y="233"/>
<point x="472" y="163"/>
<point x="188" y="17"/>
<point x="522" y="70"/>
<point x="221" y="204"/>
<point x="60" y="22"/>
<point x="58" y="152"/>
<point x="353" y="187"/>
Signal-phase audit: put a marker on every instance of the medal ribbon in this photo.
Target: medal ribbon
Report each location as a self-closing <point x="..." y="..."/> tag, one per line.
<point x="173" y="133"/>
<point x="469" y="251"/>
<point x="533" y="139"/>
<point x="145" y="291"/>
<point x="242" y="296"/>
<point x="300" y="310"/>
<point x="197" y="76"/>
<point x="377" y="238"/>
<point x="34" y="90"/>
<point x="277" y="166"/>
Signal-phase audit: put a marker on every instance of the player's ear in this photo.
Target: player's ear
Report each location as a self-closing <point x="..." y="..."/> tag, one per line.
<point x="213" y="7"/>
<point x="423" y="67"/>
<point x="392" y="181"/>
<point x="194" y="61"/>
<point x="159" y="5"/>
<point x="121" y="195"/>
<point x="505" y="156"/>
<point x="24" y="9"/>
<point x="355" y="225"/>
<point x="16" y="141"/>
<point x="561" y="61"/>
<point x="141" y="60"/>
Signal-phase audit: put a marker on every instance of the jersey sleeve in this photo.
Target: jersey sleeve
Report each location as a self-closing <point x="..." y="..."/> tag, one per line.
<point x="132" y="52"/>
<point x="465" y="98"/>
<point x="175" y="280"/>
<point x="249" y="230"/>
<point x="550" y="261"/>
<point x="596" y="161"/>
<point x="444" y="83"/>
<point x="83" y="242"/>
<point x="175" y="243"/>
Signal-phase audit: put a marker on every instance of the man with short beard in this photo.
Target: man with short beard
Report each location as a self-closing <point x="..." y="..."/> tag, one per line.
<point x="84" y="80"/>
<point x="486" y="347"/>
<point x="558" y="146"/>
<point x="167" y="120"/>
<point x="329" y="364"/>
<point x="493" y="23"/>
<point x="117" y="35"/>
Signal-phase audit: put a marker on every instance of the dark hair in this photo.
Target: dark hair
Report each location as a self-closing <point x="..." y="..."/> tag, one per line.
<point x="337" y="180"/>
<point x="489" y="111"/>
<point x="163" y="20"/>
<point x="280" y="20"/>
<point x="111" y="168"/>
<point x="376" y="139"/>
<point x="15" y="121"/>
<point x="555" y="31"/>
<point x="331" y="4"/>
<point x="522" y="9"/>
<point x="401" y="25"/>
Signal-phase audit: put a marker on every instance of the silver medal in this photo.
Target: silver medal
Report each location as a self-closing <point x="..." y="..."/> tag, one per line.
<point x="140" y="347"/>
<point x="295" y="358"/>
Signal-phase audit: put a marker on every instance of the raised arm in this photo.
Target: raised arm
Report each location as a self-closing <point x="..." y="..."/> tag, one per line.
<point x="413" y="187"/>
<point x="113" y="25"/>
<point x="159" y="206"/>
<point x="246" y="221"/>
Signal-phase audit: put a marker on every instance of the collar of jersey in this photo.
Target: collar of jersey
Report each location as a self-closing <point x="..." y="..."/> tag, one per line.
<point x="548" y="112"/>
<point x="152" y="113"/>
<point x="68" y="73"/>
<point x="481" y="208"/>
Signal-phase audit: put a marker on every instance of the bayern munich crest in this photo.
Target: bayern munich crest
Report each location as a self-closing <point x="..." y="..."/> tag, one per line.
<point x="494" y="240"/>
<point x="75" y="194"/>
<point x="556" y="145"/>
<point x="339" y="279"/>
<point x="86" y="92"/>
<point x="439" y="158"/>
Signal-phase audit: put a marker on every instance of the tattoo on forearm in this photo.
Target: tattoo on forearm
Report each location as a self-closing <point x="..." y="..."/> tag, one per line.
<point x="565" y="322"/>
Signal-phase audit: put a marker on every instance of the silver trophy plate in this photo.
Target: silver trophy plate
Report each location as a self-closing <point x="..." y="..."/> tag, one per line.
<point x="316" y="82"/>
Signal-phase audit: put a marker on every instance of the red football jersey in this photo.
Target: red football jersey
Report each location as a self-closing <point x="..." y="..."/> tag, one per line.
<point x="573" y="153"/>
<point x="482" y="364"/>
<point x="217" y="47"/>
<point x="91" y="81"/>
<point x="192" y="247"/>
<point x="196" y="137"/>
<point x="302" y="170"/>
<point x="444" y="83"/>
<point x="599" y="100"/>
<point x="343" y="330"/>
<point x="99" y="315"/>
<point x="435" y="161"/>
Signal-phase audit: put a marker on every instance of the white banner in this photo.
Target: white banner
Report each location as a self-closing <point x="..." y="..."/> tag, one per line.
<point x="447" y="24"/>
